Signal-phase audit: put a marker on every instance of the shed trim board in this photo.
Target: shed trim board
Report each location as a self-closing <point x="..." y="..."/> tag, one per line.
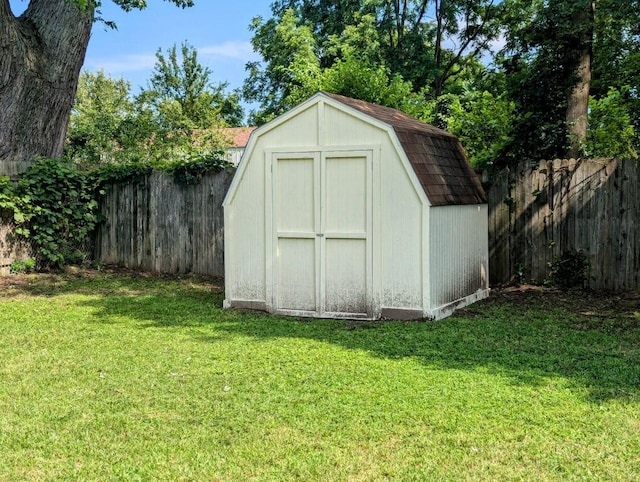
<point x="331" y="225"/>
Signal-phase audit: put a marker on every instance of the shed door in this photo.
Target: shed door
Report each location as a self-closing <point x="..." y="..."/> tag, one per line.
<point x="322" y="230"/>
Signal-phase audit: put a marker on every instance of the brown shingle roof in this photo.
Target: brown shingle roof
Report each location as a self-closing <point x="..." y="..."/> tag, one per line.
<point x="437" y="157"/>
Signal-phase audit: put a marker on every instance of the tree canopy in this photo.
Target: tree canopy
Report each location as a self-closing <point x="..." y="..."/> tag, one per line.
<point x="565" y="81"/>
<point x="178" y="114"/>
<point x="514" y="79"/>
<point x="399" y="39"/>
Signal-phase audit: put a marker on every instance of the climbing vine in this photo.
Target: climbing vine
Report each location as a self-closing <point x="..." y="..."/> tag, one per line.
<point x="190" y="169"/>
<point x="54" y="206"/>
<point x="54" y="209"/>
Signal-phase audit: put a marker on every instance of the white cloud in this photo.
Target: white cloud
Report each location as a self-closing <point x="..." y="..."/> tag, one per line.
<point x="230" y="49"/>
<point x="122" y="63"/>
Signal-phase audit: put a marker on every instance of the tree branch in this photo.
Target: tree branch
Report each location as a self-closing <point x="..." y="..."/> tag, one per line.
<point x="421" y="13"/>
<point x="469" y="38"/>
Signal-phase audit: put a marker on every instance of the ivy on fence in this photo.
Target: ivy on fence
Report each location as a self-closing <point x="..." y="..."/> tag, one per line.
<point x="54" y="205"/>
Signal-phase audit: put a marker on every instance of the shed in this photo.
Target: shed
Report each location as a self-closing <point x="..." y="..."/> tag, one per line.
<point x="345" y="209"/>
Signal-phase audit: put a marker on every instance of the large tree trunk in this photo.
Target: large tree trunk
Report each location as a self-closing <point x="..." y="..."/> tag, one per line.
<point x="578" y="97"/>
<point x="41" y="53"/>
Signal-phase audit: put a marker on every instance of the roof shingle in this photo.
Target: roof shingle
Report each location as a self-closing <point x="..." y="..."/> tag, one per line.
<point x="437" y="157"/>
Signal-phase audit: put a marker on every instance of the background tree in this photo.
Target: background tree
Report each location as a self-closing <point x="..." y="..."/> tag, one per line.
<point x="611" y="132"/>
<point x="101" y="114"/>
<point x="181" y="92"/>
<point x="616" y="58"/>
<point x="296" y="70"/>
<point x="179" y="114"/>
<point x="41" y="53"/>
<point x="401" y="36"/>
<point x="481" y="120"/>
<point x="559" y="52"/>
<point x="186" y="108"/>
<point x="548" y="60"/>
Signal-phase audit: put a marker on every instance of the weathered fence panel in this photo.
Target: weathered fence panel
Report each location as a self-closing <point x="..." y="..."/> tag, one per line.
<point x="161" y="226"/>
<point x="11" y="248"/>
<point x="538" y="212"/>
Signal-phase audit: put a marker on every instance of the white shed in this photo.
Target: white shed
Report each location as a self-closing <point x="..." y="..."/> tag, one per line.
<point x="345" y="209"/>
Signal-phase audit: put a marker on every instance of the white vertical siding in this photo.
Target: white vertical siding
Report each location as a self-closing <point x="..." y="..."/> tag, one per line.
<point x="234" y="154"/>
<point x="342" y="129"/>
<point x="458" y="246"/>
<point x="398" y="207"/>
<point x="245" y="237"/>
<point x="401" y="235"/>
<point x="300" y="130"/>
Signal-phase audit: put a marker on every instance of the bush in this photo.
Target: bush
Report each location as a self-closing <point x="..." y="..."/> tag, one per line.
<point x="23" y="266"/>
<point x="58" y="212"/>
<point x="570" y="269"/>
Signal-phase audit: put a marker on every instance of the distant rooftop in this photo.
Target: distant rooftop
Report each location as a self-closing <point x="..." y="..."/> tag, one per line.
<point x="239" y="136"/>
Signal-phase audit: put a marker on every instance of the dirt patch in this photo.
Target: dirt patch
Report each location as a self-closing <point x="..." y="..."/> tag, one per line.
<point x="34" y="283"/>
<point x="584" y="309"/>
<point x="583" y="302"/>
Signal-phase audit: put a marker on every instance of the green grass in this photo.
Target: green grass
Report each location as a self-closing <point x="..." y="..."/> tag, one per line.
<point x="108" y="376"/>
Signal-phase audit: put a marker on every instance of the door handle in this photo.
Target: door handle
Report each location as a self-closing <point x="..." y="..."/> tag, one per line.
<point x="320" y="235"/>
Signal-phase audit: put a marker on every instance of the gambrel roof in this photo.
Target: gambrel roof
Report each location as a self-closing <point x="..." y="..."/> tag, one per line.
<point x="437" y="157"/>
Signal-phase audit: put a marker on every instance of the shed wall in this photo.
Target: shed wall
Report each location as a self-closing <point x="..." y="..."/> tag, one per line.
<point x="458" y="245"/>
<point x="401" y="235"/>
<point x="302" y="130"/>
<point x="245" y="241"/>
<point x="343" y="129"/>
<point x="245" y="237"/>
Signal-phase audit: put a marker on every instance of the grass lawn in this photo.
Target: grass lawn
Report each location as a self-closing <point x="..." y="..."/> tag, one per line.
<point x="107" y="376"/>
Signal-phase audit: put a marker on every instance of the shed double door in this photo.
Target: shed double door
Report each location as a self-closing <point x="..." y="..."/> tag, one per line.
<point x="322" y="233"/>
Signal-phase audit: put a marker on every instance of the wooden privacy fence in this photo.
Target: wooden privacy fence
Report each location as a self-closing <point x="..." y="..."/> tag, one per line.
<point x="538" y="212"/>
<point x="162" y="226"/>
<point x="11" y="248"/>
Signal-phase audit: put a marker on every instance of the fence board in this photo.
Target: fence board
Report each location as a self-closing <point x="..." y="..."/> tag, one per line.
<point x="159" y="225"/>
<point x="560" y="205"/>
<point x="11" y="248"/>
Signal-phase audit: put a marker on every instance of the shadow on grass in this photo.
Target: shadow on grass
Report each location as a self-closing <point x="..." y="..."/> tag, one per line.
<point x="111" y="282"/>
<point x="593" y="342"/>
<point x="526" y="339"/>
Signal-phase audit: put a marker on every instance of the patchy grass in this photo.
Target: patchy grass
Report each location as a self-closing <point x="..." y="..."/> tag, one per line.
<point x="125" y="376"/>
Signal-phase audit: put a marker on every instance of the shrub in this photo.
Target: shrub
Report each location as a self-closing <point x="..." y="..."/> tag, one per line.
<point x="23" y="266"/>
<point x="59" y="212"/>
<point x="570" y="269"/>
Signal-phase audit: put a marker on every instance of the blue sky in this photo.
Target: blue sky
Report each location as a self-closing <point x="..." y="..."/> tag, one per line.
<point x="219" y="30"/>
